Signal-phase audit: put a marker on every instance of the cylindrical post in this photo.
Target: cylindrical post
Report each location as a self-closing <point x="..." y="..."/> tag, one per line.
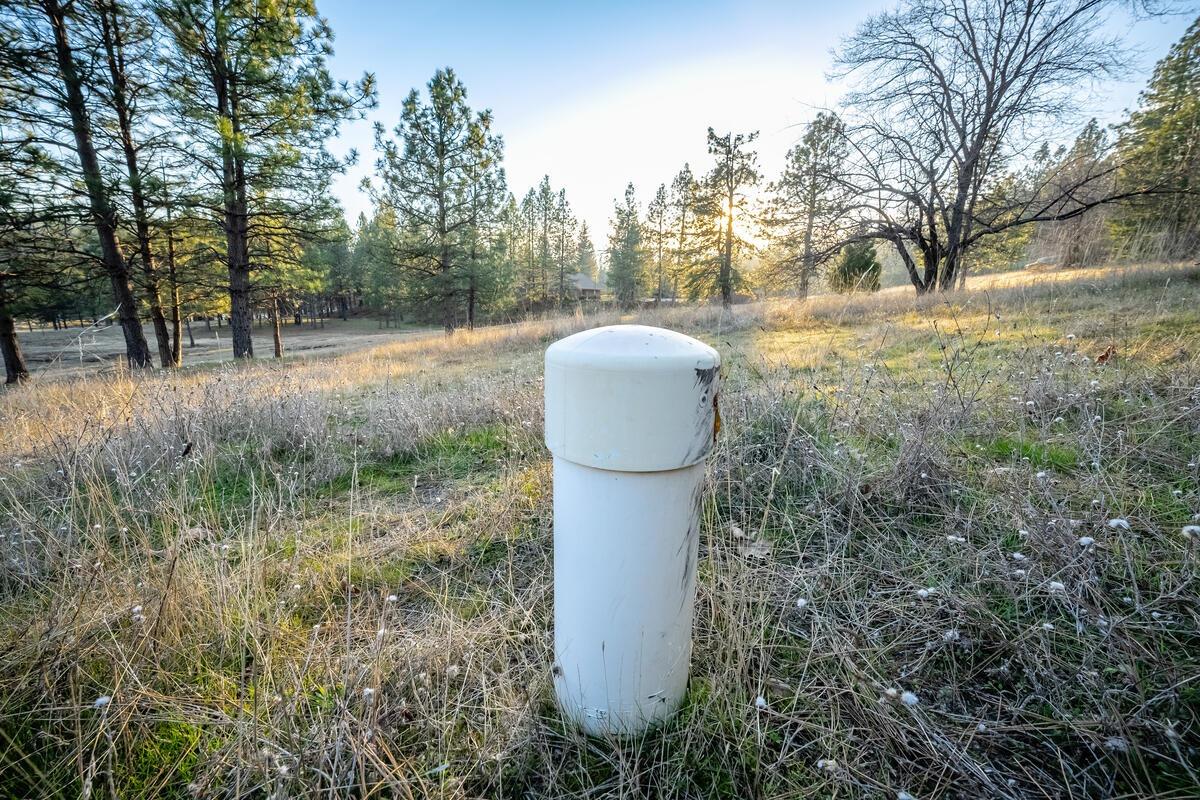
<point x="631" y="413"/>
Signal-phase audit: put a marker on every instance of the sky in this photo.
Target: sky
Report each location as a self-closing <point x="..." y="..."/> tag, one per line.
<point x="598" y="94"/>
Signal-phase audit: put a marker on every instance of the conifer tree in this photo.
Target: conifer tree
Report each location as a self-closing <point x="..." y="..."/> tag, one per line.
<point x="626" y="256"/>
<point x="440" y="175"/>
<point x="1161" y="141"/>
<point x="253" y="92"/>
<point x="49" y="72"/>
<point x="657" y="240"/>
<point x="808" y="201"/>
<point x="685" y="204"/>
<point x="733" y="174"/>
<point x="585" y="253"/>
<point x="857" y="270"/>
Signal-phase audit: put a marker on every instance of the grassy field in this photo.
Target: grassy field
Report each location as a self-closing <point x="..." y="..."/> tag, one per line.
<point x="85" y="351"/>
<point x="954" y="555"/>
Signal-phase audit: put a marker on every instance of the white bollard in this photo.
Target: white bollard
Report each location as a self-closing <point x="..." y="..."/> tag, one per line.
<point x="631" y="412"/>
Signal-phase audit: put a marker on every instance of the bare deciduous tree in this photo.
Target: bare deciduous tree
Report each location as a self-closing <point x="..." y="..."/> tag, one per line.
<point x="949" y="96"/>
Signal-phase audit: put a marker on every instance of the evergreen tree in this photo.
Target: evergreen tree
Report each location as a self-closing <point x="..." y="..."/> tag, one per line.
<point x="531" y="288"/>
<point x="857" y="270"/>
<point x="545" y="205"/>
<point x="626" y="257"/>
<point x="808" y="201"/>
<point x="685" y="204"/>
<point x="1081" y="240"/>
<point x="657" y="241"/>
<point x="51" y="94"/>
<point x="253" y="92"/>
<point x="585" y="253"/>
<point x="564" y="235"/>
<point x="441" y="177"/>
<point x="1161" y="141"/>
<point x="372" y="257"/>
<point x="733" y="174"/>
<point x="132" y="86"/>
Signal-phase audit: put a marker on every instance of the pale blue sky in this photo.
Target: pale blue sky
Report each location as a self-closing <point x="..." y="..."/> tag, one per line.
<point x="596" y="95"/>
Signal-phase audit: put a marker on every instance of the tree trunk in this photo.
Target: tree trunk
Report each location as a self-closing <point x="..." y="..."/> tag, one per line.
<point x="726" y="278"/>
<point x="276" y="333"/>
<point x="233" y="188"/>
<point x="114" y="48"/>
<point x="909" y="265"/>
<point x="191" y="336"/>
<point x="15" y="370"/>
<point x="948" y="271"/>
<point x="240" y="312"/>
<point x="471" y="291"/>
<point x="176" y="300"/>
<point x="104" y="216"/>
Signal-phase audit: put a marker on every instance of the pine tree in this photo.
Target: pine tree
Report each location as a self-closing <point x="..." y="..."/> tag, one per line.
<point x="253" y="92"/>
<point x="857" y="270"/>
<point x="444" y="158"/>
<point x="734" y="173"/>
<point x="808" y="201"/>
<point x="1161" y="141"/>
<point x="1082" y="240"/>
<point x="685" y="203"/>
<point x="585" y="253"/>
<point x="530" y="285"/>
<point x="125" y="40"/>
<point x="564" y="235"/>
<point x="545" y="204"/>
<point x="49" y="77"/>
<point x="626" y="257"/>
<point x="657" y="240"/>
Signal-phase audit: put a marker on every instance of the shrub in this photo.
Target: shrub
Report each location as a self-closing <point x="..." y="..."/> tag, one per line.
<point x="856" y="270"/>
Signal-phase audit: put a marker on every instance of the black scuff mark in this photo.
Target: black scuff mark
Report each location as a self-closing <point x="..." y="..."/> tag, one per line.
<point x="707" y="415"/>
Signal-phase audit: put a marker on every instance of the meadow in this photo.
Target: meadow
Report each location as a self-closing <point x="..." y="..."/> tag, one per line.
<point x="949" y="550"/>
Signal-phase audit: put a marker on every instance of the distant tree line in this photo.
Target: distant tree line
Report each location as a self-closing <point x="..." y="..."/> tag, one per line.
<point x="165" y="160"/>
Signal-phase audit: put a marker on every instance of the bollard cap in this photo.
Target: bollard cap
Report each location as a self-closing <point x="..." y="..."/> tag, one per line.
<point x="631" y="398"/>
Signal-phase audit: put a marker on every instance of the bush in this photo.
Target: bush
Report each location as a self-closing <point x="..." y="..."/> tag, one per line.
<point x="856" y="270"/>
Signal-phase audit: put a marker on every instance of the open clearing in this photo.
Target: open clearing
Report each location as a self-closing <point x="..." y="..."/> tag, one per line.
<point x="86" y="350"/>
<point x="79" y="350"/>
<point x="333" y="574"/>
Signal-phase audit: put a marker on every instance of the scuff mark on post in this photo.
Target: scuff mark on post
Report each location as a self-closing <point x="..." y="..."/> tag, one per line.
<point x="706" y="375"/>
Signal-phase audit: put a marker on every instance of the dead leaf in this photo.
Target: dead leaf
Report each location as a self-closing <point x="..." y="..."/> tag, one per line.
<point x="757" y="548"/>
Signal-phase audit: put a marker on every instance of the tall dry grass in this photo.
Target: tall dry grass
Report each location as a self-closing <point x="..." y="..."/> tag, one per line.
<point x="333" y="576"/>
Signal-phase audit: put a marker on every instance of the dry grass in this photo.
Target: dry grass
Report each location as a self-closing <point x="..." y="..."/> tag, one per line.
<point x="333" y="575"/>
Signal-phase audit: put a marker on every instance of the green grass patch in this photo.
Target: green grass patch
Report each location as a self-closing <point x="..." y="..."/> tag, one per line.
<point x="447" y="456"/>
<point x="1039" y="454"/>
